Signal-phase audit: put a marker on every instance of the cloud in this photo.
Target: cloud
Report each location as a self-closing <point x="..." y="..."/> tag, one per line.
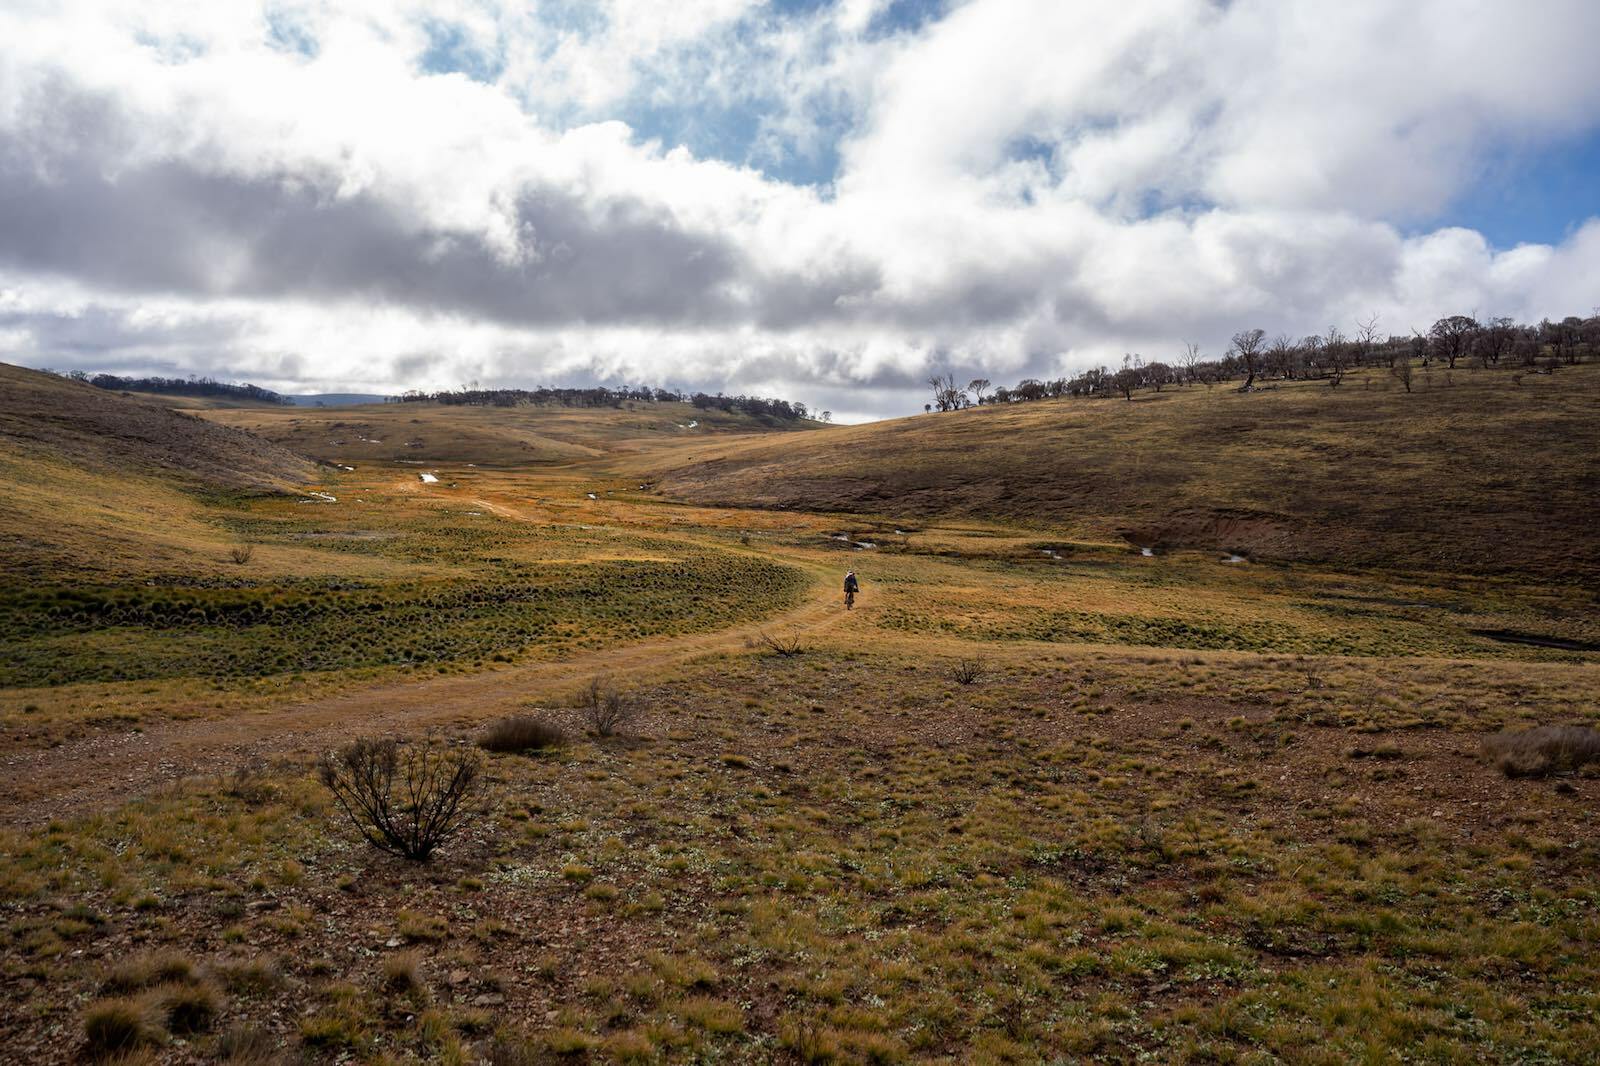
<point x="389" y="194"/>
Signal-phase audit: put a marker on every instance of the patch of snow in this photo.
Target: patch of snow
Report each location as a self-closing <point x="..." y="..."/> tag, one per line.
<point x="841" y="536"/>
<point x="1147" y="553"/>
<point x="691" y="425"/>
<point x="592" y="496"/>
<point x="1234" y="559"/>
<point x="1051" y="552"/>
<point x="346" y="469"/>
<point x="900" y="533"/>
<point x="321" y="497"/>
<point x="864" y="544"/>
<point x="427" y="479"/>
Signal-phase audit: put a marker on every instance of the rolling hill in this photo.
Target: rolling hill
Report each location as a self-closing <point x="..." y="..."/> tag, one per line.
<point x="484" y="436"/>
<point x="1475" y="472"/>
<point x="101" y="482"/>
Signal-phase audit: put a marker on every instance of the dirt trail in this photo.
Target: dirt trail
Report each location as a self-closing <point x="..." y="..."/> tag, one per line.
<point x="101" y="771"/>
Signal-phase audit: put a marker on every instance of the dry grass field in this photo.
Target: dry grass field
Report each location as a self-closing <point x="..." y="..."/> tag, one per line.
<point x="1038" y="798"/>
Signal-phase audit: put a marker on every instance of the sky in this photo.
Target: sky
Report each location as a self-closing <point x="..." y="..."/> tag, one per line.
<point x="824" y="200"/>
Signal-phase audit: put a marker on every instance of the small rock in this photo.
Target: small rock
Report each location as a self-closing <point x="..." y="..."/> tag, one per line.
<point x="392" y="942"/>
<point x="489" y="999"/>
<point x="456" y="977"/>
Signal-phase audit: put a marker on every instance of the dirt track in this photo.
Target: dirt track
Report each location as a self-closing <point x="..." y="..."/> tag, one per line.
<point x="109" y="768"/>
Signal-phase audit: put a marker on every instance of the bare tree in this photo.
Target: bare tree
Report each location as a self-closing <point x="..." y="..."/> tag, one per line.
<point x="979" y="386"/>
<point x="1190" y="361"/>
<point x="1335" y="356"/>
<point x="1247" y="347"/>
<point x="1452" y="337"/>
<point x="1125" y="381"/>
<point x="1402" y="371"/>
<point x="947" y="395"/>
<point x="1366" y="339"/>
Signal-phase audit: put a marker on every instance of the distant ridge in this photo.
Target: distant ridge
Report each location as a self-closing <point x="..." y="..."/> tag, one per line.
<point x="334" y="399"/>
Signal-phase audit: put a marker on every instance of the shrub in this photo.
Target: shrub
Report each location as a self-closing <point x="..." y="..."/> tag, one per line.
<point x="522" y="732"/>
<point x="607" y="710"/>
<point x="242" y="554"/>
<point x="788" y="647"/>
<point x="1543" y="751"/>
<point x="406" y="800"/>
<point x="966" y="671"/>
<point x="116" y="1025"/>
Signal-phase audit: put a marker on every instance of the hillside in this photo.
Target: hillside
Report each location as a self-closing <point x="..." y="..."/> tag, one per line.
<point x="105" y="431"/>
<point x="484" y="435"/>
<point x="98" y="482"/>
<point x="1478" y="476"/>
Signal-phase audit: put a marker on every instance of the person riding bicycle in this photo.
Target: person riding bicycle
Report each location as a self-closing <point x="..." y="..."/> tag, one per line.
<point x="851" y="587"/>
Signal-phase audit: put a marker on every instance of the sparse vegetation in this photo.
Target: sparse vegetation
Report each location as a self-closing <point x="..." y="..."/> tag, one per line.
<point x="1045" y="799"/>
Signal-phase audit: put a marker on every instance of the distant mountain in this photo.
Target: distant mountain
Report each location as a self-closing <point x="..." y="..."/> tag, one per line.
<point x="334" y="399"/>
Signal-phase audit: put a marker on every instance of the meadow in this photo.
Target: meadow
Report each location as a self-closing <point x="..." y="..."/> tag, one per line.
<point x="1040" y="798"/>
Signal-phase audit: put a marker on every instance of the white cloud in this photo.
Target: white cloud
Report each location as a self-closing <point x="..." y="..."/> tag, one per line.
<point x="290" y="192"/>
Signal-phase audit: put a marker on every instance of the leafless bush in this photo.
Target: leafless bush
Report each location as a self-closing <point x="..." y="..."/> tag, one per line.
<point x="788" y="647"/>
<point x="403" y="799"/>
<point x="966" y="671"/>
<point x="607" y="709"/>
<point x="250" y="784"/>
<point x="242" y="554"/>
<point x="522" y="732"/>
<point x="1543" y="751"/>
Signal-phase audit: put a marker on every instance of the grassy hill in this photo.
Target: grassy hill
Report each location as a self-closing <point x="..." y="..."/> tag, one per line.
<point x="98" y="482"/>
<point x="1471" y="473"/>
<point x="42" y="414"/>
<point x="501" y="437"/>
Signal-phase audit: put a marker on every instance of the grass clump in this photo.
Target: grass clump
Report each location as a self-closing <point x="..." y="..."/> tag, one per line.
<point x="1544" y="751"/>
<point x="115" y="1026"/>
<point x="522" y="733"/>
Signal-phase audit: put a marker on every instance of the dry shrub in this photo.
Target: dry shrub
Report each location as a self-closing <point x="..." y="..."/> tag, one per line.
<point x="403" y="799"/>
<point x="788" y="647"/>
<point x="966" y="671"/>
<point x="522" y="732"/>
<point x="250" y="784"/>
<point x="242" y="554"/>
<point x="1543" y="751"/>
<point x="607" y="709"/>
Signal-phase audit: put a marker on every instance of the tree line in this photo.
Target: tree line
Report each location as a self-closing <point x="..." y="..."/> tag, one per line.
<point x="1455" y="340"/>
<point x="758" y="407"/>
<point x="191" y="386"/>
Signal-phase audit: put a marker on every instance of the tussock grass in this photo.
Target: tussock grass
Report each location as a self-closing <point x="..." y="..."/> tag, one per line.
<point x="522" y="733"/>
<point x="1544" y="750"/>
<point x="115" y="1026"/>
